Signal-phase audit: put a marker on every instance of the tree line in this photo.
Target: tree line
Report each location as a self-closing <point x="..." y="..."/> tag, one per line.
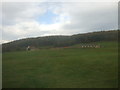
<point x="60" y="41"/>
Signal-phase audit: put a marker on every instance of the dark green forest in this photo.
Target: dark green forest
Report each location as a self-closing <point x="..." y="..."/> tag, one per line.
<point x="60" y="41"/>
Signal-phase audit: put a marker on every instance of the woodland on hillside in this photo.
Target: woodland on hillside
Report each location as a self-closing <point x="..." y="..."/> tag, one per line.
<point x="60" y="41"/>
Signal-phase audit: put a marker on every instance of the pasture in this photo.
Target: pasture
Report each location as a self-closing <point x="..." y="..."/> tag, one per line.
<point x="62" y="68"/>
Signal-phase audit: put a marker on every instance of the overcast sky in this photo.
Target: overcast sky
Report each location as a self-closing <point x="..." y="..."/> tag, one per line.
<point x="34" y="19"/>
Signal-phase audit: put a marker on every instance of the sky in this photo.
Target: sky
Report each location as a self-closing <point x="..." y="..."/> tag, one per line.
<point x="35" y="19"/>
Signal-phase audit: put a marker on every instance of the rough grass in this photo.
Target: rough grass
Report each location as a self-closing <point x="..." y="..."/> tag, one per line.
<point x="62" y="68"/>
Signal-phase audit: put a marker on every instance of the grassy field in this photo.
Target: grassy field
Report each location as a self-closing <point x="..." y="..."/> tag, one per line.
<point x="62" y="68"/>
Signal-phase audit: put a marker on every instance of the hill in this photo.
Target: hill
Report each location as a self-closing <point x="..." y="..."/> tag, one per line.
<point x="60" y="41"/>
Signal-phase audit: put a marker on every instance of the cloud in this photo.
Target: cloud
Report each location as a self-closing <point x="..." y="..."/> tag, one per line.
<point x="85" y="17"/>
<point x="20" y="19"/>
<point x="18" y="12"/>
<point x="60" y="1"/>
<point x="29" y="29"/>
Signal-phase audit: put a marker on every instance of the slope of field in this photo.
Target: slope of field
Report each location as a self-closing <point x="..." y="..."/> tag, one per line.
<point x="62" y="68"/>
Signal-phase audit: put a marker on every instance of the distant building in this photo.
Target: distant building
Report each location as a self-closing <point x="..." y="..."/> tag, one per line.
<point x="28" y="48"/>
<point x="90" y="46"/>
<point x="31" y="48"/>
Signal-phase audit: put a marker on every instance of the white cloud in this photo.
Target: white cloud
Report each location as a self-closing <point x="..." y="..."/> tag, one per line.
<point x="18" y="12"/>
<point x="60" y="1"/>
<point x="31" y="29"/>
<point x="90" y="16"/>
<point x="4" y="41"/>
<point x="20" y="18"/>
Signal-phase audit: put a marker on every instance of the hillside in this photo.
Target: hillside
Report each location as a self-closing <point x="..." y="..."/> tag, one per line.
<point x="61" y="41"/>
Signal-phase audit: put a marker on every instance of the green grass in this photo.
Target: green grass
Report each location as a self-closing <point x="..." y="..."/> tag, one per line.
<point x="62" y="68"/>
